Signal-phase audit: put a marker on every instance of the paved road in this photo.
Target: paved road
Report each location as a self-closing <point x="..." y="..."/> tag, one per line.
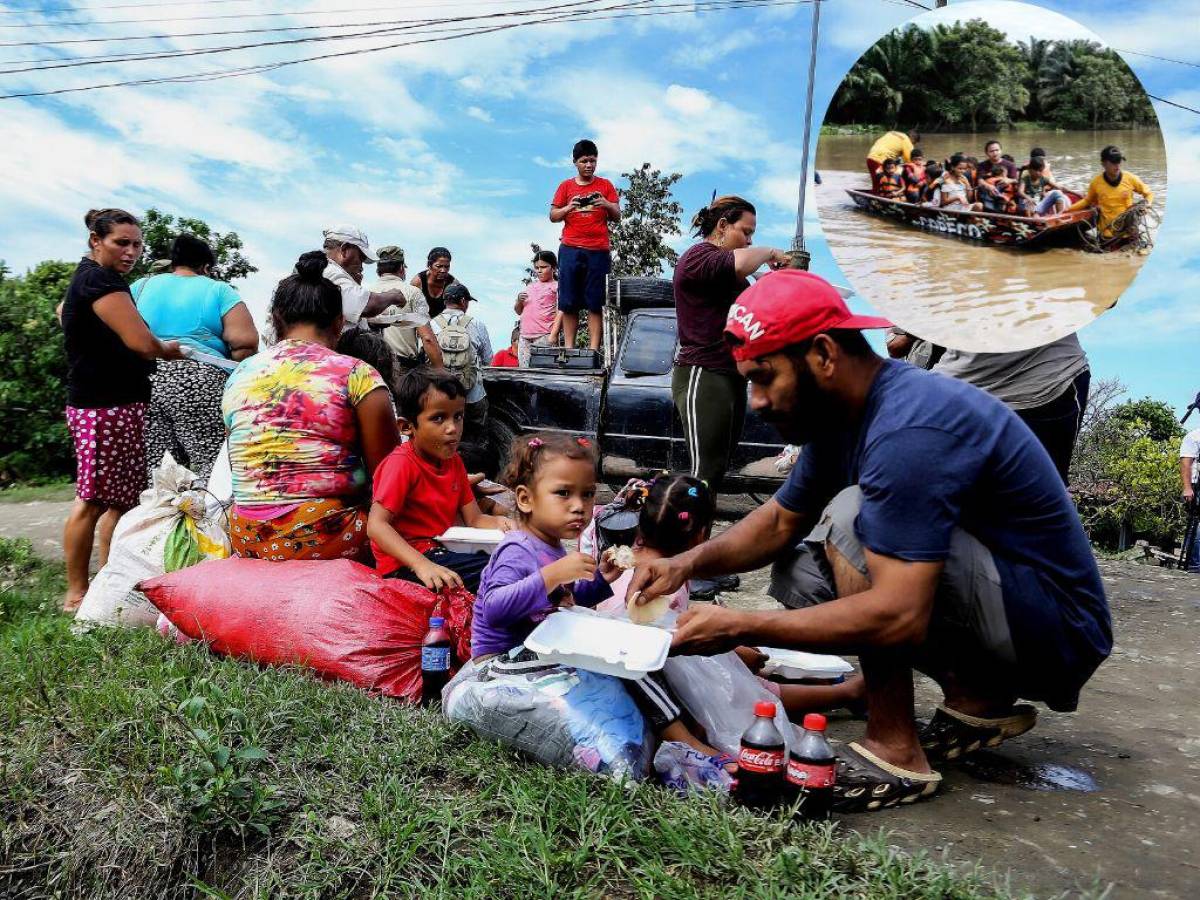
<point x="1108" y="794"/>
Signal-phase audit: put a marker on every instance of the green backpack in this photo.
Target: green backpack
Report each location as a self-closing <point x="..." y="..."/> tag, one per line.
<point x="458" y="353"/>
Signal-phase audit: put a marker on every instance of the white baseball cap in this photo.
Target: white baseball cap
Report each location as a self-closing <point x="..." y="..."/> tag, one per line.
<point x="348" y="234"/>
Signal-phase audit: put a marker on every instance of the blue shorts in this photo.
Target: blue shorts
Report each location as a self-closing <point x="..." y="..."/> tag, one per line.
<point x="581" y="276"/>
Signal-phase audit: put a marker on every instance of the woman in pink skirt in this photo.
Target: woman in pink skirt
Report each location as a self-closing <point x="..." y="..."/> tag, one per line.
<point x="110" y="355"/>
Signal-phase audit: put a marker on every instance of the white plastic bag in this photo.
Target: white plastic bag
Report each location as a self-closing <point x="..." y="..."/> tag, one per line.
<point x="720" y="693"/>
<point x="140" y="541"/>
<point x="685" y="769"/>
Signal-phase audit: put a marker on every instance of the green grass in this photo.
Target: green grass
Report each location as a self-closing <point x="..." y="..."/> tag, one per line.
<point x="130" y="768"/>
<point x="24" y="493"/>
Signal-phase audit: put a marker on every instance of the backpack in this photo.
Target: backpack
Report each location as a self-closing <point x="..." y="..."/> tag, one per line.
<point x="459" y="356"/>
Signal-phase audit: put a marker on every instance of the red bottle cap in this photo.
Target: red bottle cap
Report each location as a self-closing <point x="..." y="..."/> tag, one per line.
<point x="814" y="722"/>
<point x="765" y="708"/>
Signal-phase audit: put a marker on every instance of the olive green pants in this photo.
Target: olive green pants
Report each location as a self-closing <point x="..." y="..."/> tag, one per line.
<point x="712" y="408"/>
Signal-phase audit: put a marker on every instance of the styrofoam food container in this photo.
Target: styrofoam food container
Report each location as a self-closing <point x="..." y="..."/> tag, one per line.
<point x="796" y="664"/>
<point x="461" y="539"/>
<point x="594" y="643"/>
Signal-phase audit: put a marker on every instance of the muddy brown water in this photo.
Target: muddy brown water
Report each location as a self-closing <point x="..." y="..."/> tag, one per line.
<point x="970" y="296"/>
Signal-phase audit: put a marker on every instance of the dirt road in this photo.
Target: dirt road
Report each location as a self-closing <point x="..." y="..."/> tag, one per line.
<point x="1108" y="795"/>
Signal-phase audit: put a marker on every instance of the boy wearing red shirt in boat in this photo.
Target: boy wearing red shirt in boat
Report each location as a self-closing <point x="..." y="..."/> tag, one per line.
<point x="888" y="182"/>
<point x="914" y="177"/>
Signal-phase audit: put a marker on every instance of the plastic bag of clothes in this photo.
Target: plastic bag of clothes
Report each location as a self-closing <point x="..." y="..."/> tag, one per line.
<point x="560" y="716"/>
<point x="172" y="527"/>
<point x="336" y="617"/>
<point x="720" y="693"/>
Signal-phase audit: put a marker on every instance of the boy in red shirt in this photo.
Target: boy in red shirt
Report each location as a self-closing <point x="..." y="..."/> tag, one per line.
<point x="422" y="486"/>
<point x="585" y="205"/>
<point x="508" y="356"/>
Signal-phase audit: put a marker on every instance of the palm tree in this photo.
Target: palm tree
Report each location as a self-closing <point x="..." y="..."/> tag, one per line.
<point x="1037" y="53"/>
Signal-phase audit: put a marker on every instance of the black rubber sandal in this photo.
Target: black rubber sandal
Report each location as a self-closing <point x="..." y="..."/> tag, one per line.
<point x="866" y="783"/>
<point x="951" y="735"/>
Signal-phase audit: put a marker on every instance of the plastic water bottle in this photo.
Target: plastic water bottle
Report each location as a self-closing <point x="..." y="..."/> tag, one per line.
<point x="762" y="761"/>
<point x="435" y="661"/>
<point x="811" y="771"/>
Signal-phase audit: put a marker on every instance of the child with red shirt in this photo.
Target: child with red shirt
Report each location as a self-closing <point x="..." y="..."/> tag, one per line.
<point x="585" y="205"/>
<point x="422" y="486"/>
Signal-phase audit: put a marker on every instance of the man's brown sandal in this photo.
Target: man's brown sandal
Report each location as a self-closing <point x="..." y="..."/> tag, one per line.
<point x="866" y="783"/>
<point x="951" y="735"/>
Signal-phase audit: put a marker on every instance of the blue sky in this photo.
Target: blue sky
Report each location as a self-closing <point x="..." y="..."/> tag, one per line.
<point x="461" y="143"/>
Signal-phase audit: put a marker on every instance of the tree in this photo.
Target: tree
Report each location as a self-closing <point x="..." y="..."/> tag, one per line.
<point x="159" y="229"/>
<point x="34" y="441"/>
<point x="1125" y="471"/>
<point x="989" y="75"/>
<point x="649" y="215"/>
<point x="1101" y="91"/>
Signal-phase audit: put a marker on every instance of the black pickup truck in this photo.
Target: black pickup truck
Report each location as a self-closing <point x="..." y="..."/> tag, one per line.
<point x="624" y="403"/>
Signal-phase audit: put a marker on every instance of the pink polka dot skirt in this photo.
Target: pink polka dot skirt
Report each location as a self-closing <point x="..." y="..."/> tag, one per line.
<point x="110" y="451"/>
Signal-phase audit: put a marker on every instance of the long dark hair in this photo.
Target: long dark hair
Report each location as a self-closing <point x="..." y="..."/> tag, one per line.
<point x="730" y="208"/>
<point x="192" y="252"/>
<point x="306" y="296"/>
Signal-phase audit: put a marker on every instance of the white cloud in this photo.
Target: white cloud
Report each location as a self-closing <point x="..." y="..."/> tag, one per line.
<point x="478" y="112"/>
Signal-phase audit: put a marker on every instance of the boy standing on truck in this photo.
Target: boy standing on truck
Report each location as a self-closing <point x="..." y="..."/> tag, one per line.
<point x="585" y="205"/>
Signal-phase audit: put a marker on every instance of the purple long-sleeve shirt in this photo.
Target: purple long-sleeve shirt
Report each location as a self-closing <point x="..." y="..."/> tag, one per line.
<point x="512" y="597"/>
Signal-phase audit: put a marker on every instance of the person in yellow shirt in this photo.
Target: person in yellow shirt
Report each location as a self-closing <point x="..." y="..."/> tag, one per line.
<point x="1112" y="190"/>
<point x="891" y="145"/>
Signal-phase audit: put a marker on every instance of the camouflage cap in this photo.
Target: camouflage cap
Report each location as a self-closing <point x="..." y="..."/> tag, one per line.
<point x="159" y="266"/>
<point x="390" y="254"/>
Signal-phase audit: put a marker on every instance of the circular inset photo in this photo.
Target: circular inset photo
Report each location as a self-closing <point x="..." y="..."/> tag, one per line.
<point x="992" y="176"/>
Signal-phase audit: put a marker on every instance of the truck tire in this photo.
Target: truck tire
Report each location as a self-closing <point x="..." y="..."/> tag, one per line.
<point x="501" y="434"/>
<point x="630" y="293"/>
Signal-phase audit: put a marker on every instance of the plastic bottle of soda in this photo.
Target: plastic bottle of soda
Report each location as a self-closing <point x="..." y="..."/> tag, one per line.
<point x="435" y="661"/>
<point x="811" y="770"/>
<point x="762" y="761"/>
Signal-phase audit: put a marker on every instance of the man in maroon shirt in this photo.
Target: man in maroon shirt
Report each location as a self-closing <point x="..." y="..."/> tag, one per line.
<point x="585" y="205"/>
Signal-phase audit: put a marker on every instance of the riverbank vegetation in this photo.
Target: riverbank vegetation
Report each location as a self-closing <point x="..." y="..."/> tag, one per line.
<point x="969" y="75"/>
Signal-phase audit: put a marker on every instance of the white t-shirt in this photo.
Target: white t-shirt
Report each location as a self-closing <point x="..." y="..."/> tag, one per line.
<point x="355" y="296"/>
<point x="1190" y="449"/>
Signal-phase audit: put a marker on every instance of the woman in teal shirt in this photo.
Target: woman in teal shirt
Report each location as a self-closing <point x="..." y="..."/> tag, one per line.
<point x="208" y="318"/>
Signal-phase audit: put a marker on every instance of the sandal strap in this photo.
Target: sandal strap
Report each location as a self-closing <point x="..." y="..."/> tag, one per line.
<point x="896" y="771"/>
<point x="1019" y="715"/>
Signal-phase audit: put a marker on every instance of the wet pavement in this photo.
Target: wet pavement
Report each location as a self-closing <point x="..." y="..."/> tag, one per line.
<point x="1109" y="795"/>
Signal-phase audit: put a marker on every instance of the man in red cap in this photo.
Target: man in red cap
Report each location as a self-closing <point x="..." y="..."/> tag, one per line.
<point x="923" y="527"/>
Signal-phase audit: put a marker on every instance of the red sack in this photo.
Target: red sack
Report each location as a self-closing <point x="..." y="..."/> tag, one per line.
<point x="334" y="616"/>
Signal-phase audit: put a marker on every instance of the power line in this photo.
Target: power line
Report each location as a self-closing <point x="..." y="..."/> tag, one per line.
<point x="244" y="15"/>
<point x="561" y="12"/>
<point x="1173" y="103"/>
<point x="1182" y="62"/>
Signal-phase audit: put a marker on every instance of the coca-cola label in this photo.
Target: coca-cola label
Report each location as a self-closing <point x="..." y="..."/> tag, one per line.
<point x="768" y="762"/>
<point x="809" y="776"/>
<point x="435" y="659"/>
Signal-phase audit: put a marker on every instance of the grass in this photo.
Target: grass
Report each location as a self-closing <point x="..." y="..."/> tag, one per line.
<point x="130" y="768"/>
<point x="26" y="493"/>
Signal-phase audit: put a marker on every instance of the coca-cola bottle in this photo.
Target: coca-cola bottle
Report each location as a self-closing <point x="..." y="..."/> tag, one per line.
<point x="811" y="770"/>
<point x="762" y="761"/>
<point x="435" y="661"/>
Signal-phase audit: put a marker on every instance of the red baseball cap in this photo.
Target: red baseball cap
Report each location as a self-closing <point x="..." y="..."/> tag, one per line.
<point x="784" y="308"/>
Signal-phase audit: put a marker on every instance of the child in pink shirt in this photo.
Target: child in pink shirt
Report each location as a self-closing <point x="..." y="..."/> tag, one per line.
<point x="538" y="305"/>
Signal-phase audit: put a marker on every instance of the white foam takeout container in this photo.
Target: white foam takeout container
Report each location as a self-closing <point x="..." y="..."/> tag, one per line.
<point x="461" y="539"/>
<point x="595" y="643"/>
<point x="797" y="665"/>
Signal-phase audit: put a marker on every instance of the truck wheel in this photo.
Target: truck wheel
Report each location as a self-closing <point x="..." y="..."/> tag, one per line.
<point x="501" y="435"/>
<point x="640" y="293"/>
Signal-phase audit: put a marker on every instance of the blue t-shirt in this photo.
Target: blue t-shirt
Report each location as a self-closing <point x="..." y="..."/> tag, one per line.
<point x="186" y="308"/>
<point x="932" y="454"/>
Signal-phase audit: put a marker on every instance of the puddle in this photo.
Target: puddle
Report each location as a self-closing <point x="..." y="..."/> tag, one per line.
<point x="1036" y="777"/>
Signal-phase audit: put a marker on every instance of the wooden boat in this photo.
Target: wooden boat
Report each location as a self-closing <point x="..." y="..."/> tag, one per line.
<point x="1066" y="230"/>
